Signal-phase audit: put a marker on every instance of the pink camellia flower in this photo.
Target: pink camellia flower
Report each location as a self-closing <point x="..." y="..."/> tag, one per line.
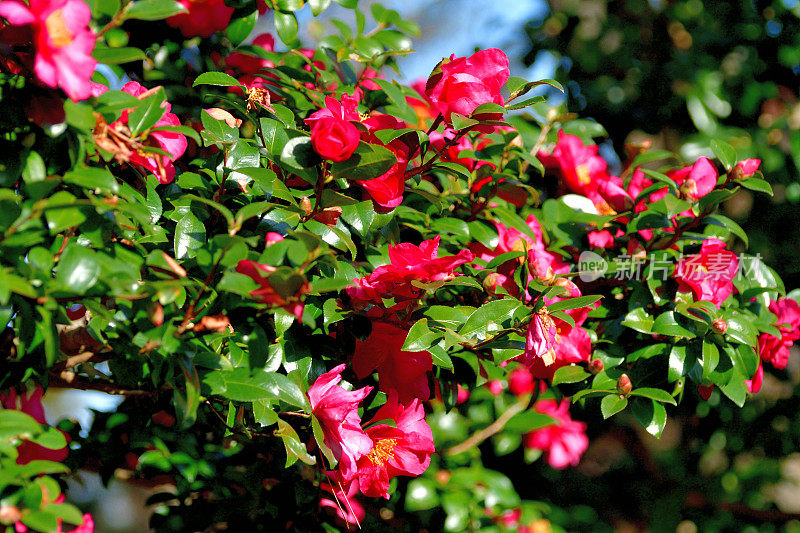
<point x="402" y="450"/>
<point x="745" y="168"/>
<point x="579" y="165"/>
<point x="334" y="139"/>
<point x="709" y="274"/>
<point x="466" y="83"/>
<point x="411" y="262"/>
<point x="565" y="441"/>
<point x="346" y="109"/>
<point x="337" y="412"/>
<point x="520" y="381"/>
<point x="774" y="349"/>
<point x="697" y="180"/>
<point x="63" y="41"/>
<point x="402" y="373"/>
<point x="203" y="17"/>
<point x="542" y="338"/>
<point x="290" y="301"/>
<point x="32" y="405"/>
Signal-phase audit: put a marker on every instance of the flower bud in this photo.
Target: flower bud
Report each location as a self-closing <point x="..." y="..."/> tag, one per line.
<point x="492" y="282"/>
<point x="719" y="326"/>
<point x="520" y="382"/>
<point x="305" y="205"/>
<point x="624" y="384"/>
<point x="595" y="366"/>
<point x="272" y="237"/>
<point x="156" y="314"/>
<point x="9" y="514"/>
<point x="705" y="391"/>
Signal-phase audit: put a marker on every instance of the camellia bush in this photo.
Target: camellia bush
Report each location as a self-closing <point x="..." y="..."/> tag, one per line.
<point x="330" y="300"/>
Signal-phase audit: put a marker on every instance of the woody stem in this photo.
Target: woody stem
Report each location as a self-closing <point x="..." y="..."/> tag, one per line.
<point x="493" y="428"/>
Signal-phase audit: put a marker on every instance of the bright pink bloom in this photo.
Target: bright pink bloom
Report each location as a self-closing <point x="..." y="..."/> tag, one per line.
<point x="745" y="168"/>
<point x="579" y="165"/>
<point x="541" y="340"/>
<point x="466" y="83"/>
<point x="403" y="450"/>
<point x="601" y="238"/>
<point x="289" y="300"/>
<point x="334" y="139"/>
<point x="696" y="181"/>
<point x="346" y="109"/>
<point x="709" y="274"/>
<point x="399" y="372"/>
<point x="754" y="384"/>
<point x="565" y="441"/>
<point x="337" y="412"/>
<point x="203" y="17"/>
<point x="520" y="381"/>
<point x="774" y="349"/>
<point x="495" y="387"/>
<point x="63" y="41"/>
<point x="32" y="405"/>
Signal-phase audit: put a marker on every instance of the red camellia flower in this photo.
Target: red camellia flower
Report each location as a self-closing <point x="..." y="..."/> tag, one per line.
<point x="294" y="289"/>
<point x="346" y="109"/>
<point x="774" y="349"/>
<point x="32" y="405"/>
<point x="334" y="139"/>
<point x="337" y="412"/>
<point x="465" y="83"/>
<point x="402" y="450"/>
<point x="402" y="373"/>
<point x="203" y="17"/>
<point x="709" y="274"/>
<point x="63" y="41"/>
<point x="565" y="441"/>
<point x="579" y="165"/>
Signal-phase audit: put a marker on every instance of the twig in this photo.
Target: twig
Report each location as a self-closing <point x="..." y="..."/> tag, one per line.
<point x="495" y="427"/>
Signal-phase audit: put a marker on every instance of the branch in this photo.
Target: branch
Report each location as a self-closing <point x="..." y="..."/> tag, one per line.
<point x="495" y="427"/>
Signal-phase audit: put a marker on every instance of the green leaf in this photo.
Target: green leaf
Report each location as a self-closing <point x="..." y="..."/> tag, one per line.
<point x="93" y="178"/>
<point x="240" y="28"/>
<point x="639" y="320"/>
<point x="724" y="152"/>
<point x="295" y="449"/>
<point x="682" y="359"/>
<point x="612" y="404"/>
<point x="730" y="225"/>
<point x="736" y="388"/>
<point x="488" y="317"/>
<point x="367" y="162"/>
<point x="756" y="184"/>
<point x="573" y="303"/>
<point x="78" y="269"/>
<point x="667" y="324"/>
<point x="14" y="423"/>
<point x="117" y="56"/>
<point x="299" y="154"/>
<point x="217" y="78"/>
<point x="460" y="122"/>
<point x="651" y="415"/>
<point x="318" y="6"/>
<point x="239" y="385"/>
<point x="35" y="169"/>
<point x="569" y="374"/>
<point x="153" y="9"/>
<point x="710" y="358"/>
<point x="286" y="27"/>
<point x="61" y="212"/>
<point x="421" y="495"/>
<point x="528" y="421"/>
<point x="420" y="337"/>
<point x="190" y="235"/>
<point x="147" y="113"/>
<point x="658" y="395"/>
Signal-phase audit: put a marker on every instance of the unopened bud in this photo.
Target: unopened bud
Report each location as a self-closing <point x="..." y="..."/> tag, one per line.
<point x="595" y="366"/>
<point x="624" y="384"/>
<point x="719" y="326"/>
<point x="492" y="282"/>
<point x="156" y="314"/>
<point x="9" y="514"/>
<point x="305" y="205"/>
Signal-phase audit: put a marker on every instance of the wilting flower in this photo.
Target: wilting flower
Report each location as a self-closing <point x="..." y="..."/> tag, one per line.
<point x="292" y="287"/>
<point x="334" y="139"/>
<point x="63" y="41"/>
<point x="202" y="18"/>
<point x="776" y="349"/>
<point x="225" y="116"/>
<point x="565" y="441"/>
<point x="542" y="339"/>
<point x="117" y="138"/>
<point x="402" y="373"/>
<point x="32" y="405"/>
<point x="402" y="450"/>
<point x="337" y="412"/>
<point x="709" y="274"/>
<point x="464" y="83"/>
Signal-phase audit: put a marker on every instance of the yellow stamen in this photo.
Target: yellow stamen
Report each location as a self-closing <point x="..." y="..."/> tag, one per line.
<point x="57" y="29"/>
<point x="382" y="451"/>
<point x="584" y="177"/>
